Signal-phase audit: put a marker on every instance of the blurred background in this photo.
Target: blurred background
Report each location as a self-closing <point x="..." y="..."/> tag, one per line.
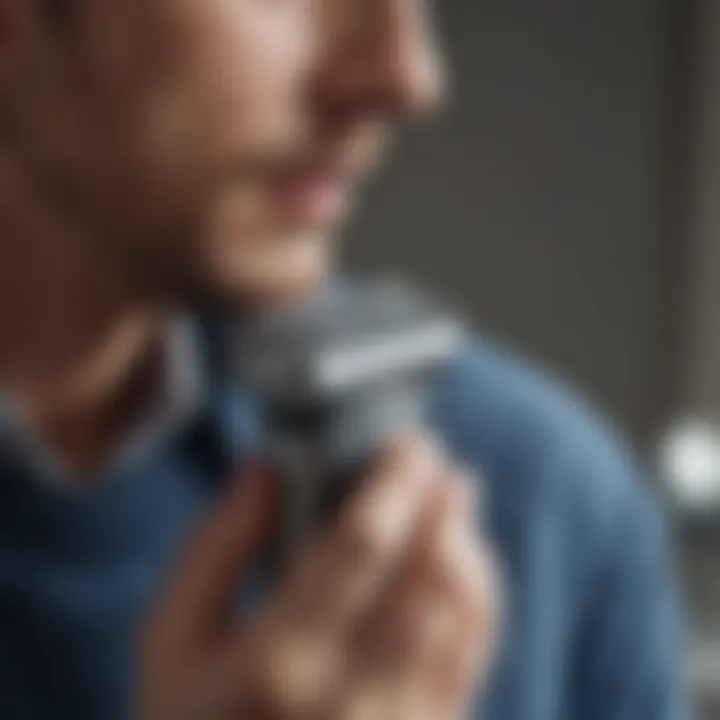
<point x="569" y="202"/>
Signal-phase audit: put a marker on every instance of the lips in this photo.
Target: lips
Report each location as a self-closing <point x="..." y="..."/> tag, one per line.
<point x="317" y="195"/>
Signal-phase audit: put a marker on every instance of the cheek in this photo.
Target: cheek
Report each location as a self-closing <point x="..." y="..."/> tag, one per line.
<point x="232" y="84"/>
<point x="198" y="91"/>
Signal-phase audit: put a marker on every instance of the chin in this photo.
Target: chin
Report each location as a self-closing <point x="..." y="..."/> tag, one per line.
<point x="269" y="277"/>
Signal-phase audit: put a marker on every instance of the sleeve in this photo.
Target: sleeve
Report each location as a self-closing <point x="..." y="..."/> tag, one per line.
<point x="630" y="659"/>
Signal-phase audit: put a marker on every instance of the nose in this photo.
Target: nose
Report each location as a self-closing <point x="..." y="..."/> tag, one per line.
<point x="382" y="58"/>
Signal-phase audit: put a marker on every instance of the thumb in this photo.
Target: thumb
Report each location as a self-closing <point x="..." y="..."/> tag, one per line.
<point x="204" y="581"/>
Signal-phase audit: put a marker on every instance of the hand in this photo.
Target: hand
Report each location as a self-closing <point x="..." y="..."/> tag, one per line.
<point x="389" y="614"/>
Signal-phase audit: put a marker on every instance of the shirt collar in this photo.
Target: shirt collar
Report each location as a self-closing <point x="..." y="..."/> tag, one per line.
<point x="203" y="391"/>
<point x="188" y="394"/>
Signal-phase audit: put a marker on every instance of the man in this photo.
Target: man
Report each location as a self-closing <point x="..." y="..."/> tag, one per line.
<point x="169" y="159"/>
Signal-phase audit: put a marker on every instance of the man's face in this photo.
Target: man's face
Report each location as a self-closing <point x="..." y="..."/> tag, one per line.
<point x="210" y="147"/>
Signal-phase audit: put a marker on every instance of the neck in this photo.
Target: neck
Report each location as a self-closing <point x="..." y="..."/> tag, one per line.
<point x="71" y="335"/>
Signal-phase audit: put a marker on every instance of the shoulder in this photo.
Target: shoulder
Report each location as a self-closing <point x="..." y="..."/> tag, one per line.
<point x="578" y="533"/>
<point x="544" y="453"/>
<point x="497" y="407"/>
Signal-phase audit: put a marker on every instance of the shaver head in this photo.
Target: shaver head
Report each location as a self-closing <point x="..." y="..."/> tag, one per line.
<point x="338" y="343"/>
<point x="337" y="379"/>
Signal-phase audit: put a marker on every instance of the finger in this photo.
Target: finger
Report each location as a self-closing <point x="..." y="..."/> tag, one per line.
<point x="458" y="586"/>
<point x="352" y="561"/>
<point x="388" y="634"/>
<point x="384" y="639"/>
<point x="399" y="682"/>
<point x="368" y="702"/>
<point x="425" y="640"/>
<point x="202" y="585"/>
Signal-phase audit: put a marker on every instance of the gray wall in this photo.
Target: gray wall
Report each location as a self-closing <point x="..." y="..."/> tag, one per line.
<point x="700" y="376"/>
<point x="536" y="202"/>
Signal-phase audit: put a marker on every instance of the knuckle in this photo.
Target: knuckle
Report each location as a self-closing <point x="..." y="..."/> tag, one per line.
<point x="414" y="445"/>
<point x="460" y="488"/>
<point x="439" y="575"/>
<point x="362" y="704"/>
<point x="465" y="572"/>
<point x="413" y="458"/>
<point x="289" y="678"/>
<point x="472" y="568"/>
<point x="483" y="590"/>
<point x="363" y="540"/>
<point x="447" y="560"/>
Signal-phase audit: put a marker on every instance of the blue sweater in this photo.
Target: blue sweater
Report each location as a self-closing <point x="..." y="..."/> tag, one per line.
<point x="590" y="624"/>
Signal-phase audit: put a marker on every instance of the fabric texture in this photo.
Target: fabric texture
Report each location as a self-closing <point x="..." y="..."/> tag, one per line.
<point x="591" y="627"/>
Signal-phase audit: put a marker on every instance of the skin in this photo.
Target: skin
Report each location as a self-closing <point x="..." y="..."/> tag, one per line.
<point x="158" y="155"/>
<point x="390" y="614"/>
<point x="155" y="153"/>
